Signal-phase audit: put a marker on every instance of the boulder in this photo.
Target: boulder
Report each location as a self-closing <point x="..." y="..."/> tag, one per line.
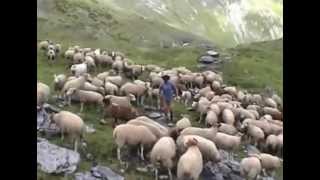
<point x="98" y="173"/>
<point x="54" y="159"/>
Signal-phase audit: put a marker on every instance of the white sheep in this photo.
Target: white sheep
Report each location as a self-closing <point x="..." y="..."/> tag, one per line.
<point x="97" y="82"/>
<point x="155" y="94"/>
<point x="162" y="154"/>
<point x="51" y="55"/>
<point x="207" y="147"/>
<point x="43" y="92"/>
<point x="43" y="45"/>
<point x="201" y="106"/>
<point x="186" y="169"/>
<point x="228" y="116"/>
<point x="90" y="87"/>
<point x="57" y="48"/>
<point x="214" y="107"/>
<point x="111" y="88"/>
<point x="69" y="54"/>
<point x="270" y="103"/>
<point x="208" y="133"/>
<point x="59" y="81"/>
<point x="90" y="62"/>
<point x="250" y="168"/>
<point x="269" y="163"/>
<point x="120" y="100"/>
<point x="76" y="83"/>
<point x="69" y="123"/>
<point x="227" y="142"/>
<point x="117" y="65"/>
<point x="78" y="58"/>
<point x="253" y="133"/>
<point x="88" y="97"/>
<point x="227" y="129"/>
<point x="117" y="80"/>
<point x="186" y="97"/>
<point x="138" y="90"/>
<point x="127" y="134"/>
<point x="211" y="118"/>
<point x="183" y="123"/>
<point x="79" y="69"/>
<point x="275" y="113"/>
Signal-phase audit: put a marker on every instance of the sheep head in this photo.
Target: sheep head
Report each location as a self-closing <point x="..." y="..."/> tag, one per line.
<point x="191" y="142"/>
<point x="132" y="97"/>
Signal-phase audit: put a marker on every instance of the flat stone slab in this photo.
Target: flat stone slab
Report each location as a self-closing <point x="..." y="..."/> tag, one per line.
<point x="54" y="159"/>
<point x="98" y="173"/>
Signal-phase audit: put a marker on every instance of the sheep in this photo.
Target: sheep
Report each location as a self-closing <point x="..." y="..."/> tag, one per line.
<point x="90" y="87"/>
<point x="90" y="62"/>
<point x="227" y="129"/>
<point x="198" y="80"/>
<point x="231" y="90"/>
<point x="272" y="143"/>
<point x="155" y="94"/>
<point x="162" y="154"/>
<point x="117" y="65"/>
<point x="123" y="101"/>
<point x="201" y="106"/>
<point x="276" y="122"/>
<point x="79" y="69"/>
<point x="187" y="170"/>
<point x="127" y="134"/>
<point x="69" y="54"/>
<point x="227" y="142"/>
<point x="208" y="133"/>
<point x="86" y="97"/>
<point x="57" y="48"/>
<point x="211" y="118"/>
<point x="138" y="90"/>
<point x="264" y="125"/>
<point x="183" y="123"/>
<point x="270" y="103"/>
<point x="117" y="80"/>
<point x="59" y="81"/>
<point x="97" y="82"/>
<point x="43" y="45"/>
<point x="51" y="46"/>
<point x="255" y="113"/>
<point x="269" y="163"/>
<point x="186" y="79"/>
<point x="111" y="88"/>
<point x="186" y="97"/>
<point x="104" y="60"/>
<point x="51" y="55"/>
<point x="102" y="76"/>
<point x="257" y="99"/>
<point x="253" y="107"/>
<point x="240" y="95"/>
<point x="155" y="80"/>
<point x="69" y="123"/>
<point x="275" y="113"/>
<point x="155" y="129"/>
<point x="146" y="119"/>
<point x="215" y="85"/>
<point x="277" y="99"/>
<point x="78" y="58"/>
<point x="120" y="112"/>
<point x="209" y="76"/>
<point x="226" y="96"/>
<point x="43" y="92"/>
<point x="250" y="168"/>
<point x="207" y="147"/>
<point x="228" y="116"/>
<point x="253" y="133"/>
<point x="133" y="71"/>
<point x="245" y="114"/>
<point x="215" y="108"/>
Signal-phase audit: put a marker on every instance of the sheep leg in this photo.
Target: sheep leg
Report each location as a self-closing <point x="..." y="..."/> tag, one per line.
<point x="142" y="101"/>
<point x="62" y="135"/>
<point x="76" y="145"/>
<point x="170" y="174"/>
<point x="141" y="150"/>
<point x="156" y="173"/>
<point x="81" y="107"/>
<point x="119" y="154"/>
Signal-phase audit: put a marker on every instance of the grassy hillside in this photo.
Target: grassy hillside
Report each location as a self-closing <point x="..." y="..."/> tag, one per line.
<point x="256" y="66"/>
<point x="87" y="24"/>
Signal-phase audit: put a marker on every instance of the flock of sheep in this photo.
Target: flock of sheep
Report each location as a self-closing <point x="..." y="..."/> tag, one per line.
<point x="231" y="117"/>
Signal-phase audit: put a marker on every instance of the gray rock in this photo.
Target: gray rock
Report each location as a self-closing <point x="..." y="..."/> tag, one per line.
<point x="54" y="159"/>
<point x="234" y="166"/>
<point x="235" y="177"/>
<point x="85" y="176"/>
<point x="223" y="168"/>
<point x="206" y="59"/>
<point x="154" y="115"/>
<point x="252" y="149"/>
<point x="106" y="173"/>
<point x="43" y="121"/>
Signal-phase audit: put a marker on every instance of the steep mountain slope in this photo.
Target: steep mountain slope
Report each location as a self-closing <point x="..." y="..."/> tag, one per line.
<point x="225" y="22"/>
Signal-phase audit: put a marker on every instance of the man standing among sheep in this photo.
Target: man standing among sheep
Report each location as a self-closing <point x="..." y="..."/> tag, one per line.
<point x="167" y="93"/>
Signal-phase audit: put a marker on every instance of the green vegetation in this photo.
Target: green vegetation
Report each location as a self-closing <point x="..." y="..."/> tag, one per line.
<point x="256" y="66"/>
<point x="88" y="24"/>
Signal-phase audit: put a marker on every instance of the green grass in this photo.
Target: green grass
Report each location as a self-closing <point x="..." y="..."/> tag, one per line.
<point x="256" y="66"/>
<point x="106" y="29"/>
